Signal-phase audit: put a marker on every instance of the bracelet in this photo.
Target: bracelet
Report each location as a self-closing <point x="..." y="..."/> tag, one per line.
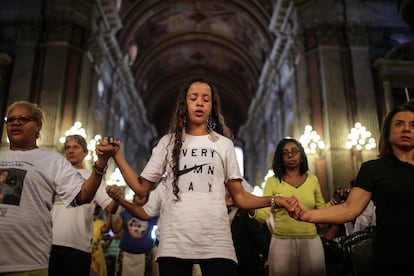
<point x="99" y="172"/>
<point x="273" y="201"/>
<point x="334" y="202"/>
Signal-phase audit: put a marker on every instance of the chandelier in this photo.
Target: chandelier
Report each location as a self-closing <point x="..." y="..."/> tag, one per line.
<point x="360" y="138"/>
<point x="311" y="141"/>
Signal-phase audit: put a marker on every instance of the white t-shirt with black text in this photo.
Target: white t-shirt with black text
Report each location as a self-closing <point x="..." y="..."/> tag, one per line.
<point x="196" y="226"/>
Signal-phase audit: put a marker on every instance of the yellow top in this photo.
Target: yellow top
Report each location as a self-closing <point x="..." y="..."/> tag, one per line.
<point x="308" y="193"/>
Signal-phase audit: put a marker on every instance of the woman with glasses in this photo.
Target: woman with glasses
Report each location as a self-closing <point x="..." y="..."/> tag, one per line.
<point x="295" y="247"/>
<point x="389" y="182"/>
<point x="38" y="175"/>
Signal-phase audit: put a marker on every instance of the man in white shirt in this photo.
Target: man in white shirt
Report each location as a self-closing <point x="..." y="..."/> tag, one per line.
<point x="73" y="227"/>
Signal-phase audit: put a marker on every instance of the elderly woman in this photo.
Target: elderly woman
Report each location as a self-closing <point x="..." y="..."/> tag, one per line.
<point x="26" y="224"/>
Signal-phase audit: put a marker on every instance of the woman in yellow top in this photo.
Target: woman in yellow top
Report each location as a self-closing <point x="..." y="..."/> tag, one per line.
<point x="295" y="247"/>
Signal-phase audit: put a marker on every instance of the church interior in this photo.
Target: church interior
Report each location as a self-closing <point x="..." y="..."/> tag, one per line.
<point x="315" y="70"/>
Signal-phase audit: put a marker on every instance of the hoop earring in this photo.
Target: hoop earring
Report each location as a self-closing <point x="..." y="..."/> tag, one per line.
<point x="185" y="121"/>
<point x="211" y="124"/>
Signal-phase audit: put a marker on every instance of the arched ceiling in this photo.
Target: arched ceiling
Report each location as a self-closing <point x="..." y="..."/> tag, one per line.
<point x="224" y="41"/>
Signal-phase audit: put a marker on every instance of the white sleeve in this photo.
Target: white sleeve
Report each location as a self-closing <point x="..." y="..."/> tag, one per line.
<point x="68" y="180"/>
<point x="232" y="170"/>
<point x="101" y="197"/>
<point x="156" y="165"/>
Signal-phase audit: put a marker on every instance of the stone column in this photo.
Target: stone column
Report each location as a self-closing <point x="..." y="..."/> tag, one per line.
<point x="5" y="71"/>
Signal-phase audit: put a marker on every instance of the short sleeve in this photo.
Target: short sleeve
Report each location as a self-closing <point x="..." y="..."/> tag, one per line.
<point x="156" y="165"/>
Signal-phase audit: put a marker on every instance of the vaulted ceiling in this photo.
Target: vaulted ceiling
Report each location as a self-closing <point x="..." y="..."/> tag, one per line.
<point x="224" y="41"/>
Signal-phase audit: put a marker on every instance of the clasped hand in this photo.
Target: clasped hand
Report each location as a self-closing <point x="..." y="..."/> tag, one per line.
<point x="105" y="150"/>
<point x="114" y="192"/>
<point x="295" y="209"/>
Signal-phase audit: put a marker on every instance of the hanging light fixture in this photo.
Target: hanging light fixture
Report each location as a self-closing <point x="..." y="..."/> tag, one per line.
<point x="360" y="138"/>
<point x="311" y="141"/>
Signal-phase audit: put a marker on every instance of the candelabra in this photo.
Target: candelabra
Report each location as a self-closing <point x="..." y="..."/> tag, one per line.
<point x="311" y="141"/>
<point x="360" y="138"/>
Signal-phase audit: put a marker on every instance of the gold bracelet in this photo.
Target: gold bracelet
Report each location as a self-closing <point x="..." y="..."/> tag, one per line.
<point x="99" y="172"/>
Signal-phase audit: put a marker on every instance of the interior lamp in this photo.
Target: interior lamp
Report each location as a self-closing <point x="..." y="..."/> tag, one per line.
<point x="311" y="141"/>
<point x="360" y="138"/>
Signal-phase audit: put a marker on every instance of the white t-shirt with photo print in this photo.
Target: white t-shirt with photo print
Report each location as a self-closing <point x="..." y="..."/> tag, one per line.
<point x="26" y="226"/>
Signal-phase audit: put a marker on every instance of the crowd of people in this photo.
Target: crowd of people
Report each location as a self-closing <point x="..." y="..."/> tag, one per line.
<point x="192" y="189"/>
<point x="196" y="158"/>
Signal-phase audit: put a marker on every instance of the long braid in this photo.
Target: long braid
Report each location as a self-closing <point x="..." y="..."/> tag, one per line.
<point x="177" y="129"/>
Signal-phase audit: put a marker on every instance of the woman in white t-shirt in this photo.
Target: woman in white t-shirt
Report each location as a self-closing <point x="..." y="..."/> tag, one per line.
<point x="198" y="160"/>
<point x="37" y="175"/>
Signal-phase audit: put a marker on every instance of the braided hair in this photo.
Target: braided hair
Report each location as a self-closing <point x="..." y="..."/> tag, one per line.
<point x="178" y="125"/>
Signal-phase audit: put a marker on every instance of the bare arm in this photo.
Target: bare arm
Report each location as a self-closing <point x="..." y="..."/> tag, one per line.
<point x="117" y="225"/>
<point x="108" y="224"/>
<point x="138" y="184"/>
<point x="112" y="207"/>
<point x="356" y="202"/>
<point x="89" y="188"/>
<point x="247" y="200"/>
<point x="366" y="218"/>
<point x="137" y="211"/>
<point x="91" y="185"/>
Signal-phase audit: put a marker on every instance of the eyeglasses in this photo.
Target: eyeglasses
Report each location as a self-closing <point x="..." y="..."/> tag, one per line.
<point x="293" y="152"/>
<point x="20" y="120"/>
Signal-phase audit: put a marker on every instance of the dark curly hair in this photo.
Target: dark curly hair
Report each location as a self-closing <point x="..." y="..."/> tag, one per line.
<point x="178" y="125"/>
<point x="278" y="165"/>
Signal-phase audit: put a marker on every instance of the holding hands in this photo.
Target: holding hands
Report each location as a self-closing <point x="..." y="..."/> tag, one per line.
<point x="288" y="203"/>
<point x="107" y="147"/>
<point x="297" y="210"/>
<point x="114" y="192"/>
